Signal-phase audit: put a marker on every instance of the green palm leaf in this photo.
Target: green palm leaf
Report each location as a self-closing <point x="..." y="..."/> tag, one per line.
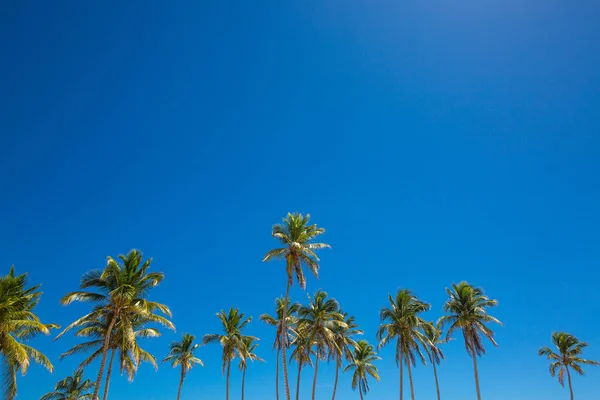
<point x="18" y="324"/>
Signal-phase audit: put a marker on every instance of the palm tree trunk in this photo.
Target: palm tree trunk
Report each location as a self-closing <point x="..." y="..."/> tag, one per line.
<point x="227" y="380"/>
<point x="570" y="385"/>
<point x="103" y="361"/>
<point x="107" y="382"/>
<point x="283" y="340"/>
<point x="476" y="376"/>
<point x="277" y="374"/>
<point x="243" y="381"/>
<point x="180" y="382"/>
<point x="437" y="385"/>
<point x="298" y="381"/>
<point x="401" y="367"/>
<point x="360" y="392"/>
<point x="337" y="371"/>
<point x="412" y="389"/>
<point x="315" y="377"/>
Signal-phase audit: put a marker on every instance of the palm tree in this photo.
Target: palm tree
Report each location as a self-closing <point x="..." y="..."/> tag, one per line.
<point x="233" y="323"/>
<point x="467" y="310"/>
<point x="343" y="344"/>
<point x="362" y="364"/>
<point x="18" y="323"/>
<point x="401" y="321"/>
<point x="130" y="353"/>
<point x="301" y="353"/>
<point x="318" y="320"/>
<point x="71" y="388"/>
<point x="568" y="357"/>
<point x="434" y="339"/>
<point x="121" y="294"/>
<point x="296" y="235"/>
<point x="182" y="354"/>
<point x="247" y="353"/>
<point x="276" y="321"/>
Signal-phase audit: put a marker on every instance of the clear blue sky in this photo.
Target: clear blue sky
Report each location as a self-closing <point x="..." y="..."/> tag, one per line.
<point x="435" y="142"/>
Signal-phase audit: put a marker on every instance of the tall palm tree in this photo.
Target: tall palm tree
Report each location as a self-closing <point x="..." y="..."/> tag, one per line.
<point x="276" y="321"/>
<point x="121" y="293"/>
<point x="182" y="354"/>
<point x="130" y="352"/>
<point x="18" y="324"/>
<point x="71" y="388"/>
<point x="433" y="333"/>
<point x="233" y="323"/>
<point x="568" y="357"/>
<point x="296" y="236"/>
<point x="344" y="345"/>
<point x="401" y="321"/>
<point x="318" y="320"/>
<point x="247" y="353"/>
<point x="467" y="310"/>
<point x="301" y="353"/>
<point x="362" y="363"/>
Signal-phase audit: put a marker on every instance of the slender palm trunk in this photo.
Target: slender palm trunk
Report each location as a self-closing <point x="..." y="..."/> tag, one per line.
<point x="107" y="382"/>
<point x="401" y="368"/>
<point x="477" y="376"/>
<point x="243" y="381"/>
<point x="437" y="385"/>
<point x="298" y="381"/>
<point x="337" y="371"/>
<point x="360" y="392"/>
<point x="180" y="382"/>
<point x="286" y="301"/>
<point x="277" y="374"/>
<point x="315" y="377"/>
<point x="570" y="385"/>
<point x="103" y="361"/>
<point x="412" y="389"/>
<point x="227" y="380"/>
<point x="471" y="351"/>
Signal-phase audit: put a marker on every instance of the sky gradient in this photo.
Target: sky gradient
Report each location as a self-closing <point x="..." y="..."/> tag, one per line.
<point x="435" y="142"/>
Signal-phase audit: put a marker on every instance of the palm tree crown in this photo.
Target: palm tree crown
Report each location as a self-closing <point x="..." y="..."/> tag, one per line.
<point x="433" y="333"/>
<point x="181" y="353"/>
<point x="18" y="323"/>
<point x="568" y="356"/>
<point x="343" y="341"/>
<point x="247" y="353"/>
<point x="71" y="388"/>
<point x="317" y="321"/>
<point x="296" y="235"/>
<point x="233" y="323"/>
<point x="277" y="321"/>
<point x="362" y="363"/>
<point x="130" y="352"/>
<point x="302" y="350"/>
<point x="343" y="344"/>
<point x="402" y="321"/>
<point x="466" y="310"/>
<point x="121" y="295"/>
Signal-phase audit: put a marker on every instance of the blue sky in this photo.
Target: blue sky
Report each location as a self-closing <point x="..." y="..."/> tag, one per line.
<point x="435" y="142"/>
